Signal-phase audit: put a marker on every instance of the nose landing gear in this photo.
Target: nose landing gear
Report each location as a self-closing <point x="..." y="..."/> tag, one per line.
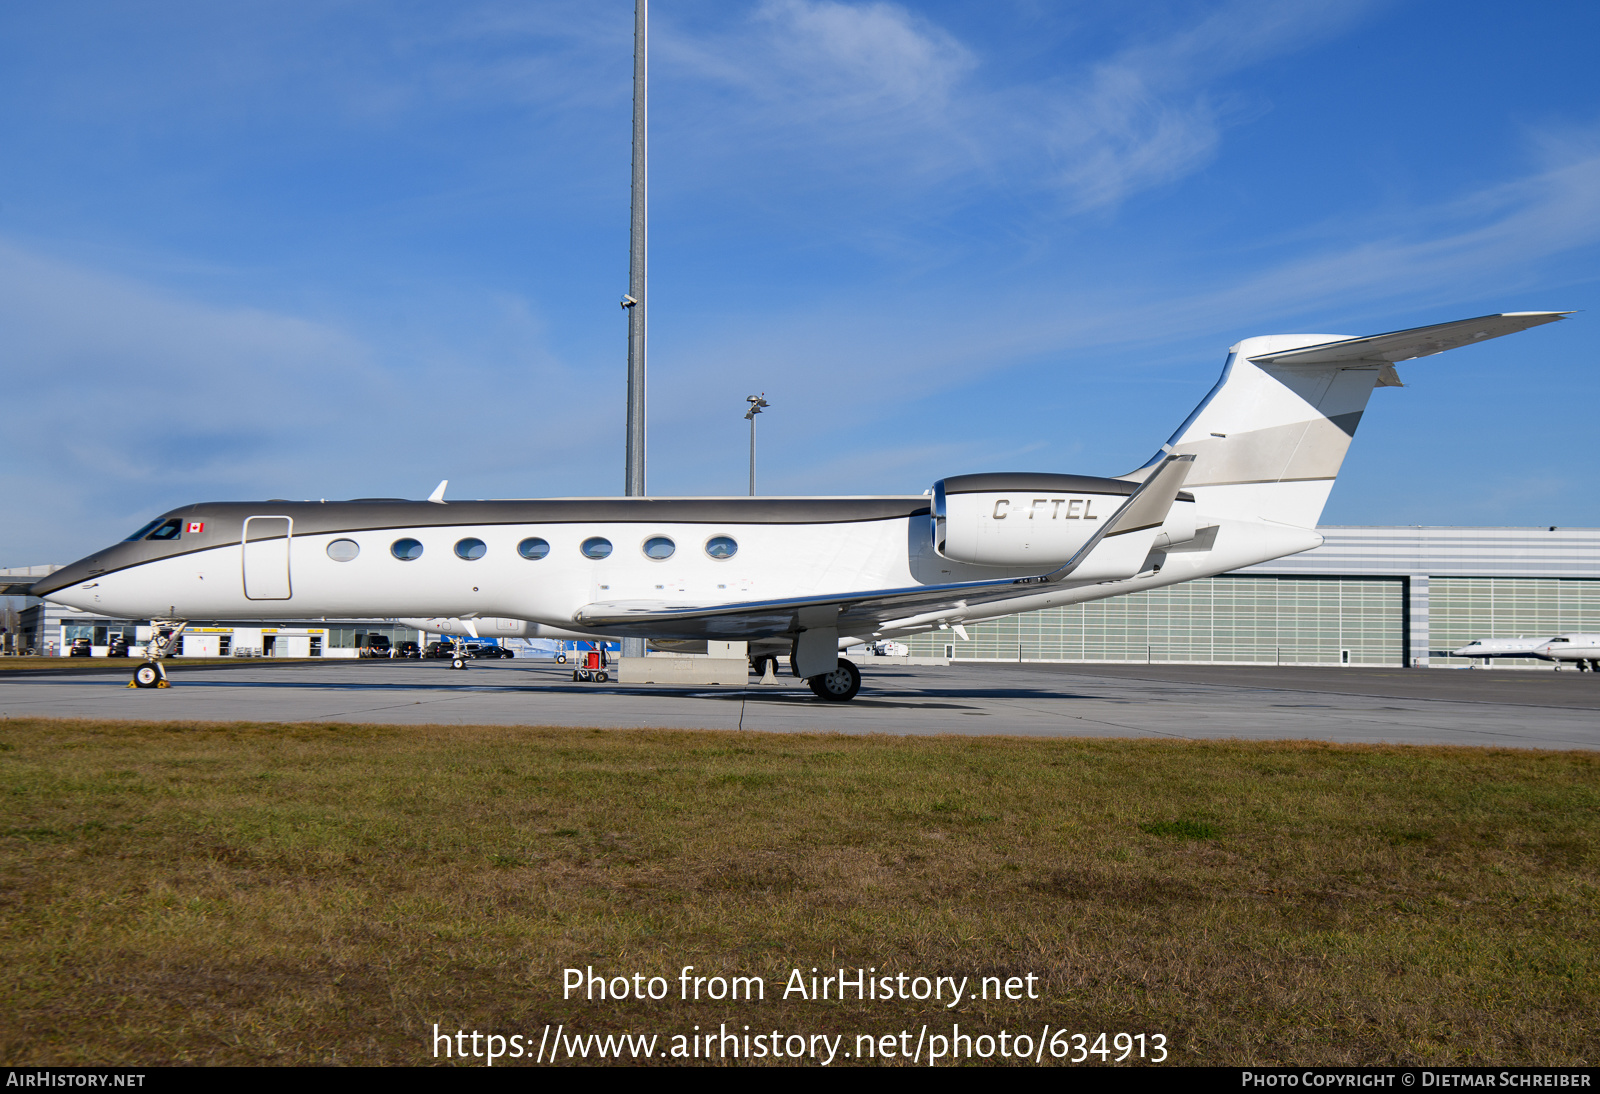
<point x="165" y="634"/>
<point x="149" y="675"/>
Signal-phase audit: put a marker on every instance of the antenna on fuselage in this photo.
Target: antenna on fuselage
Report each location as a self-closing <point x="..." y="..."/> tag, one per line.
<point x="438" y="492"/>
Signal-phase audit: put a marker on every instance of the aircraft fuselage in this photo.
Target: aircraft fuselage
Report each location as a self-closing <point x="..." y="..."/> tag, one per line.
<point x="282" y="560"/>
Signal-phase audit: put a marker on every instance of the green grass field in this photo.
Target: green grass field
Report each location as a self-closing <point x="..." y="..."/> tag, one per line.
<point x="327" y="893"/>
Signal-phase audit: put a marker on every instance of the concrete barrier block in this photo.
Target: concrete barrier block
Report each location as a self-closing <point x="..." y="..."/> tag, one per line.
<point x="683" y="670"/>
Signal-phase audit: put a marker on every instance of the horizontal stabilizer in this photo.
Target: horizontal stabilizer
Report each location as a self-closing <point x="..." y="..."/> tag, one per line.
<point x="1403" y="345"/>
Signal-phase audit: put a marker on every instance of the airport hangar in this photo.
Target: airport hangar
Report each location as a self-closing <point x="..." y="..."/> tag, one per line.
<point x="1373" y="596"/>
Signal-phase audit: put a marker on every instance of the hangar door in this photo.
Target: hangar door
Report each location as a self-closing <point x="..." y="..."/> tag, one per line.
<point x="266" y="557"/>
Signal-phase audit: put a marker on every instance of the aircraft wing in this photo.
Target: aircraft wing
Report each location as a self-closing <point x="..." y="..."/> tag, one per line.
<point x="854" y="613"/>
<point x="1403" y="345"/>
<point x="1117" y="551"/>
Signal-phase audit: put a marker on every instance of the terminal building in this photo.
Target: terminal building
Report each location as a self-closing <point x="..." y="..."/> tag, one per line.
<point x="1375" y="596"/>
<point x="50" y="630"/>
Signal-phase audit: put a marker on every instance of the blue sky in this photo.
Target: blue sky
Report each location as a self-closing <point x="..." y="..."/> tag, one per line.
<point x="349" y="249"/>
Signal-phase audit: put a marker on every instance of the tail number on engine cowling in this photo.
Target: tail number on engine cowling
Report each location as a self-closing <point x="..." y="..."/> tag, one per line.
<point x="1013" y="529"/>
<point x="1003" y="508"/>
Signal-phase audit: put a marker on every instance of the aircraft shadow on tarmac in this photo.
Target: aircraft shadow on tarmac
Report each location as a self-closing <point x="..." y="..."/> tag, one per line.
<point x="922" y="699"/>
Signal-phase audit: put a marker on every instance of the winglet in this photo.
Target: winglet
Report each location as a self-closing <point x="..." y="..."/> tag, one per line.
<point x="438" y="492"/>
<point x="1121" y="545"/>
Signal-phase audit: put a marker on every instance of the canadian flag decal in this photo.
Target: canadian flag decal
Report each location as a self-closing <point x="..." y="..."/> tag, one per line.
<point x="196" y="526"/>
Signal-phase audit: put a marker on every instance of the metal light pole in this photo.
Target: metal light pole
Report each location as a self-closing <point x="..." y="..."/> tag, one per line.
<point x="758" y="403"/>
<point x="634" y="302"/>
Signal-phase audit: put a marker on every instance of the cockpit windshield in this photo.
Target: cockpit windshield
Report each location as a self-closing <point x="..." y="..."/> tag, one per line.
<point x="146" y="530"/>
<point x="172" y="529"/>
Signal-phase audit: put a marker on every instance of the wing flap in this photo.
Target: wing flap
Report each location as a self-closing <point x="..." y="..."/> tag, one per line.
<point x="1403" y="345"/>
<point x="758" y="618"/>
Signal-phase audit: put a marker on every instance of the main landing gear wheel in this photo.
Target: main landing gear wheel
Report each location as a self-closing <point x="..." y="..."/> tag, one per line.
<point x="838" y="686"/>
<point x="147" y="676"/>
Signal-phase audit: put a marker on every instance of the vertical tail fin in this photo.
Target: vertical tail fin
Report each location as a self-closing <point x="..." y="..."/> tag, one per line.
<point x="1270" y="438"/>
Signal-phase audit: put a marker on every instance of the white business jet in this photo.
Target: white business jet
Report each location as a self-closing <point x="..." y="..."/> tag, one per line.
<point x="1487" y="648"/>
<point x="1582" y="648"/>
<point x="1242" y="481"/>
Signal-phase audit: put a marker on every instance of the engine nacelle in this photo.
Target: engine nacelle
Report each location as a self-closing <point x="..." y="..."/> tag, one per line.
<point x="1034" y="520"/>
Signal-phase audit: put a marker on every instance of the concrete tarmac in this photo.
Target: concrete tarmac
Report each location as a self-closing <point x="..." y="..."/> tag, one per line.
<point x="1419" y="706"/>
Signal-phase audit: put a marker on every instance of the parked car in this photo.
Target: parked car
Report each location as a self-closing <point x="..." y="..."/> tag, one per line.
<point x="440" y="651"/>
<point x="485" y="652"/>
<point x="118" y="646"/>
<point x="376" y="645"/>
<point x="81" y="647"/>
<point x="408" y="650"/>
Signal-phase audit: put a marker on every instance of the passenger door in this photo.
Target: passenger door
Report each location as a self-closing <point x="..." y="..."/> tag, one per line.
<point x="266" y="557"/>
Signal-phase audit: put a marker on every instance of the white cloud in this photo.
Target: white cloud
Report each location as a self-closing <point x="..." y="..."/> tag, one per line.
<point x="138" y="399"/>
<point x="867" y="367"/>
<point x="1481" y="241"/>
<point x="847" y="85"/>
<point x="866" y="97"/>
<point x="860" y="58"/>
<point x="1149" y="113"/>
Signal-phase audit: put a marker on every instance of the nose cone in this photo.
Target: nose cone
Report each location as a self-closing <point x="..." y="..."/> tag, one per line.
<point x="1469" y="650"/>
<point x="86" y="569"/>
<point x="59" y="586"/>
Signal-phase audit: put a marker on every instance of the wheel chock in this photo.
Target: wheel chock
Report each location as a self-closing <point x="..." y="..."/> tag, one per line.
<point x="151" y="674"/>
